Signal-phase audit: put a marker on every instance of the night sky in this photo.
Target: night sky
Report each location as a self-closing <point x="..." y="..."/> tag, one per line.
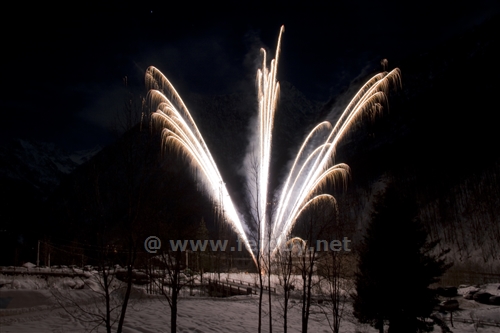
<point x="64" y="67"/>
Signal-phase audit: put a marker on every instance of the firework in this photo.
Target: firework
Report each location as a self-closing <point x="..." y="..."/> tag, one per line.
<point x="312" y="169"/>
<point x="180" y="132"/>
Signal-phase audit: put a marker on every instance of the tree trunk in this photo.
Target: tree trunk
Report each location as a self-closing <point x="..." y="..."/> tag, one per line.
<point x="269" y="288"/>
<point x="304" y="297"/>
<point x="107" y="299"/>
<point x="173" y="314"/>
<point x="261" y="291"/>
<point x="131" y="260"/>
<point x="125" y="300"/>
<point x="285" y="309"/>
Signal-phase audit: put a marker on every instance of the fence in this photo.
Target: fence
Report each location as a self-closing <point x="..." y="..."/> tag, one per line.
<point x="245" y="283"/>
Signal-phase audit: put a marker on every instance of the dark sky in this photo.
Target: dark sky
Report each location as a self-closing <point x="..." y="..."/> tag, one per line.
<point x="64" y="65"/>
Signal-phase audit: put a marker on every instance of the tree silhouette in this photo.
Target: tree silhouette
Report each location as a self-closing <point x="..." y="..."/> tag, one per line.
<point x="396" y="265"/>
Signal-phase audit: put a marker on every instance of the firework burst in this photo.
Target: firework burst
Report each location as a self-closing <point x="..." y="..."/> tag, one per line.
<point x="311" y="171"/>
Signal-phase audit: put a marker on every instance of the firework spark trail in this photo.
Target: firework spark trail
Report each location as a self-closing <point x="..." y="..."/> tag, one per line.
<point x="307" y="182"/>
<point x="268" y="92"/>
<point x="180" y="131"/>
<point x="312" y="169"/>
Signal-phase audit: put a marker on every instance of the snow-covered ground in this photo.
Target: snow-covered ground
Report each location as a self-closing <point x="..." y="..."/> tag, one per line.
<point x="32" y="304"/>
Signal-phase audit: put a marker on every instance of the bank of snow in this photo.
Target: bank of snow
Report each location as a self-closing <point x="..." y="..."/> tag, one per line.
<point x="33" y="304"/>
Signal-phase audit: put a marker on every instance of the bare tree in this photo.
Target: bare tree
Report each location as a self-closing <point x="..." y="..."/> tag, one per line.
<point x="336" y="266"/>
<point x="253" y="189"/>
<point x="268" y="260"/>
<point x="306" y="270"/>
<point x="105" y="295"/>
<point x="285" y="268"/>
<point x="111" y="284"/>
<point x="336" y="285"/>
<point x="313" y="225"/>
<point x="175" y="222"/>
<point x="167" y="274"/>
<point x="114" y="200"/>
